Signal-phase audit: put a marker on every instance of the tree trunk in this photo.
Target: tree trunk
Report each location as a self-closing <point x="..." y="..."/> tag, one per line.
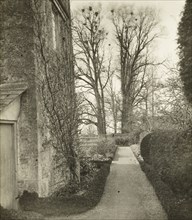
<point x="101" y="121"/>
<point x="101" y="129"/>
<point x="127" y="114"/>
<point x="115" y="125"/>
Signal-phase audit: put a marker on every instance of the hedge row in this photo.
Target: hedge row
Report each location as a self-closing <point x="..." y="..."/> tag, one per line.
<point x="170" y="154"/>
<point x="176" y="207"/>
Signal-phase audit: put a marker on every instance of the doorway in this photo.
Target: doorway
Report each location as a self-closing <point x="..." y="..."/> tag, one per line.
<point x="8" y="185"/>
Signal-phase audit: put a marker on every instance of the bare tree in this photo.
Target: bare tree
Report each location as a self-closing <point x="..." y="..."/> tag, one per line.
<point x="113" y="104"/>
<point x="135" y="32"/>
<point x="174" y="105"/>
<point x="163" y="104"/>
<point x="92" y="68"/>
<point x="148" y="100"/>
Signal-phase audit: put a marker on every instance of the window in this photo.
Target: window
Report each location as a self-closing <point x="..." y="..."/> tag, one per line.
<point x="55" y="27"/>
<point x="59" y="28"/>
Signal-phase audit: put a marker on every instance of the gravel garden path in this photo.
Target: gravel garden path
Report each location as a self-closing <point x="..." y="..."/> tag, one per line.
<point x="128" y="194"/>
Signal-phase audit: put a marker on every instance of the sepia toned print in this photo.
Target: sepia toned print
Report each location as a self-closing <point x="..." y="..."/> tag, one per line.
<point x="95" y="109"/>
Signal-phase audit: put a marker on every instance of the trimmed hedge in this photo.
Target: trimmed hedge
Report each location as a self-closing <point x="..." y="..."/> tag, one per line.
<point x="177" y="206"/>
<point x="145" y="149"/>
<point x="171" y="157"/>
<point x="170" y="154"/>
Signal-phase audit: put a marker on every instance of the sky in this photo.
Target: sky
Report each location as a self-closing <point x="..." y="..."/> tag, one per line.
<point x="169" y="13"/>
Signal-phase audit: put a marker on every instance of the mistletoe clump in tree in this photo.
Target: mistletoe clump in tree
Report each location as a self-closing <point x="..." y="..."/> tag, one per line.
<point x="92" y="66"/>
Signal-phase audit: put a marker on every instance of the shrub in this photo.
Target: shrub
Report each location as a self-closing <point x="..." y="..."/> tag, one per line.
<point x="145" y="148"/>
<point x="28" y="197"/>
<point x="122" y="141"/>
<point x="105" y="148"/>
<point x="127" y="139"/>
<point x="69" y="189"/>
<point x="96" y="187"/>
<point x="86" y="167"/>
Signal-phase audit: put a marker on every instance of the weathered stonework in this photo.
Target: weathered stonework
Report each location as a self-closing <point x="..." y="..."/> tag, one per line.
<point x="21" y="61"/>
<point x="18" y="65"/>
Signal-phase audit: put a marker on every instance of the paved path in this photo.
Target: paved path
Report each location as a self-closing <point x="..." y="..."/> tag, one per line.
<point x="128" y="194"/>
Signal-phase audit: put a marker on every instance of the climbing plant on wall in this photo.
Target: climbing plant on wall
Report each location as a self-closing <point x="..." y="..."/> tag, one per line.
<point x="55" y="80"/>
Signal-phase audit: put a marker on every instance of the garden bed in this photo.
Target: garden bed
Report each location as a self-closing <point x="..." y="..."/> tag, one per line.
<point x="6" y="214"/>
<point x="74" y="198"/>
<point x="65" y="204"/>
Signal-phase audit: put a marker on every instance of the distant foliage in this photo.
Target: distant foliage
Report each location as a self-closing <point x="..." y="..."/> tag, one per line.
<point x="176" y="113"/>
<point x="127" y="139"/>
<point x="185" y="46"/>
<point x="105" y="149"/>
